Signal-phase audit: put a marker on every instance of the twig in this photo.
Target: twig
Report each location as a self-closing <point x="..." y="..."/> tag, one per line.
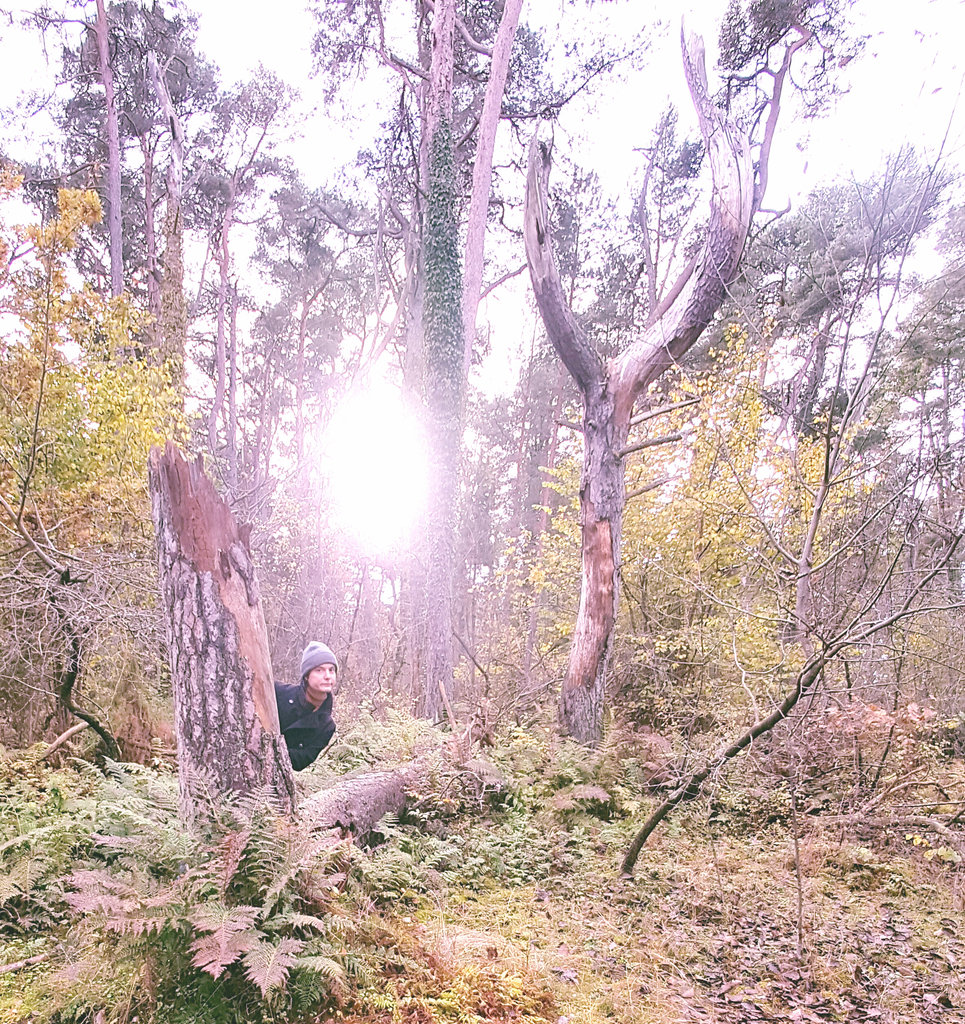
<point x="29" y="962"/>
<point x="63" y="738"/>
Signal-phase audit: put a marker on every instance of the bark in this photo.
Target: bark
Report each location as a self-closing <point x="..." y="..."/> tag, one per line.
<point x="226" y="719"/>
<point x="610" y="389"/>
<point x="102" y="33"/>
<point x="357" y="802"/>
<point x="601" y="518"/>
<point x="482" y="172"/>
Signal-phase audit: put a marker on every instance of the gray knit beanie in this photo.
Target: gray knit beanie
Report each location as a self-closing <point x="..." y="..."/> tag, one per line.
<point x="315" y="654"/>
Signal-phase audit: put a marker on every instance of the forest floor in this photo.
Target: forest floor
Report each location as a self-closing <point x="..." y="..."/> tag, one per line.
<point x="497" y="898"/>
<point x="711" y="931"/>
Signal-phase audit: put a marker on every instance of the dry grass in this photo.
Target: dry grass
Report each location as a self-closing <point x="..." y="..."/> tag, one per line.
<point x="709" y="931"/>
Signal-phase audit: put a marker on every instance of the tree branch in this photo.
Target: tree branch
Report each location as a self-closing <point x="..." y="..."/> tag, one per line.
<point x="651" y="442"/>
<point x="695" y="297"/>
<point x="565" y="334"/>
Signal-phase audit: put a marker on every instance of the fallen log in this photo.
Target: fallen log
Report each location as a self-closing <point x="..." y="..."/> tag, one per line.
<point x="359" y="800"/>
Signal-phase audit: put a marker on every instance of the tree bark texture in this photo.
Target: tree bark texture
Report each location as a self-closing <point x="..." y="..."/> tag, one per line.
<point x="102" y="33"/>
<point x="357" y="802"/>
<point x="226" y="718"/>
<point x="601" y="517"/>
<point x="610" y="389"/>
<point x="173" y="317"/>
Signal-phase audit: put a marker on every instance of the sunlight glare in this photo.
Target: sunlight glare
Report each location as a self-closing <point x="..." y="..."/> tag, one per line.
<point x="373" y="454"/>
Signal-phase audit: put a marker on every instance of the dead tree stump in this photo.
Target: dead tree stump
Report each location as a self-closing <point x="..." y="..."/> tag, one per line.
<point x="226" y="718"/>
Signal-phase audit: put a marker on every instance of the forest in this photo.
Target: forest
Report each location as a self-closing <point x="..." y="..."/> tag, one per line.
<point x="631" y="518"/>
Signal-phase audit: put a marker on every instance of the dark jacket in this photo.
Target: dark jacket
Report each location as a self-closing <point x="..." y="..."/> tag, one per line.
<point x="307" y="730"/>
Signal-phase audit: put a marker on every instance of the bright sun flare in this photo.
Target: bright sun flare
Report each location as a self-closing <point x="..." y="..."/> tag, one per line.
<point x="373" y="454"/>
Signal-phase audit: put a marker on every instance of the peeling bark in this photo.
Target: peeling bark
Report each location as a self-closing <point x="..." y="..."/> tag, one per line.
<point x="610" y="389"/>
<point x="226" y="719"/>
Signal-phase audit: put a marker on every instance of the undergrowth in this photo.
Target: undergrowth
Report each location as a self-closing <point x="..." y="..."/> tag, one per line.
<point x="495" y="897"/>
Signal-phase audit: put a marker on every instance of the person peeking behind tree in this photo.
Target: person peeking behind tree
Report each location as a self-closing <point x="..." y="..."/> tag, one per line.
<point x="305" y="709"/>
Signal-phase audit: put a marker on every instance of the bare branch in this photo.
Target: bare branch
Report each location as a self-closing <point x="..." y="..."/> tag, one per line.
<point x="651" y="442"/>
<point x="651" y="414"/>
<point x="565" y="334"/>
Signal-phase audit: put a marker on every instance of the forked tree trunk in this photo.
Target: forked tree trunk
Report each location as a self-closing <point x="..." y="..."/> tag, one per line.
<point x="226" y="719"/>
<point x="610" y="387"/>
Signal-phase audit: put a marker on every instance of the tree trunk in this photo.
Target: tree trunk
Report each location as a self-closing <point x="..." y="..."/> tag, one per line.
<point x="610" y="389"/>
<point x="231" y="441"/>
<point x="444" y="379"/>
<point x="601" y="519"/>
<point x="172" y="329"/>
<point x="482" y="173"/>
<point x="152" y="277"/>
<point x="102" y="32"/>
<point x="226" y="719"/>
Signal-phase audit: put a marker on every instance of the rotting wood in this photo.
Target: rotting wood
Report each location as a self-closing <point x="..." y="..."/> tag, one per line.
<point x="226" y="718"/>
<point x="358" y="801"/>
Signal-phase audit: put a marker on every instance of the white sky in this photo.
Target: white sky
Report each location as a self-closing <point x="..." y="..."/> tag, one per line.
<point x="904" y="87"/>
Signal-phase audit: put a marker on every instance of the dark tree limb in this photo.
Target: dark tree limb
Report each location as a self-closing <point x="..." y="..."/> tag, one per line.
<point x="806" y="678"/>
<point x="688" y="790"/>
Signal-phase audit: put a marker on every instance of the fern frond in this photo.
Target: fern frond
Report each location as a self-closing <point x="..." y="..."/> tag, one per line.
<point x="267" y="964"/>
<point x="232" y="850"/>
<point x="214" y="952"/>
<point x="296" y="920"/>
<point x="327" y="968"/>
<point x="216" y="917"/>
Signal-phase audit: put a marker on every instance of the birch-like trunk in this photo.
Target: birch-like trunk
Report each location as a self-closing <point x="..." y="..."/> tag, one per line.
<point x="114" y="231"/>
<point x="226" y="718"/>
<point x="172" y="328"/>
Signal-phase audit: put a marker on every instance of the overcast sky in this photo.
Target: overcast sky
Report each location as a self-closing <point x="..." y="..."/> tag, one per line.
<point x="904" y="88"/>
